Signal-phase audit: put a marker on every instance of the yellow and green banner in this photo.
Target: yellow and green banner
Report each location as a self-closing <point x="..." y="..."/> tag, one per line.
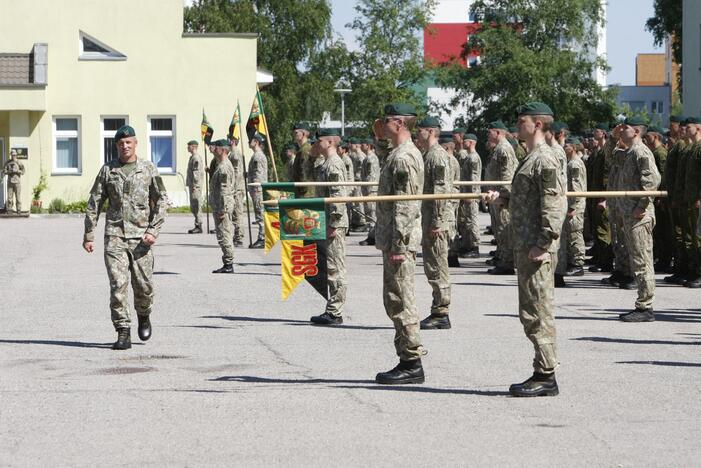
<point x="206" y="129"/>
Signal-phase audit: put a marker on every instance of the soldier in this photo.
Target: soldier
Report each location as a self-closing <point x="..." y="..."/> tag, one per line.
<point x="447" y="141"/>
<point x="519" y="150"/>
<point x="238" y="220"/>
<point x="603" y="237"/>
<point x="468" y="222"/>
<point x="135" y="215"/>
<point x="358" y="220"/>
<point x="14" y="170"/>
<point x="458" y="135"/>
<point x="638" y="172"/>
<point x="538" y="205"/>
<point x="194" y="182"/>
<point x="289" y="158"/>
<point x="505" y="162"/>
<point x="398" y="233"/>
<point x="371" y="173"/>
<point x="222" y="189"/>
<point x="674" y="179"/>
<point x="663" y="236"/>
<point x="691" y="202"/>
<point x="573" y="232"/>
<point x="554" y="138"/>
<point x="303" y="167"/>
<point x="258" y="173"/>
<point x="437" y="219"/>
<point x="332" y="169"/>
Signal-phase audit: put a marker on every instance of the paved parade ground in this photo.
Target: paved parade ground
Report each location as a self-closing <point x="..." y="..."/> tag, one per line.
<point x="234" y="376"/>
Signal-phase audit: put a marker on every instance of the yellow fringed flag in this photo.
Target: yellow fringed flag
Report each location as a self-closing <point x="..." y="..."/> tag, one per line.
<point x="256" y="119"/>
<point x="206" y="129"/>
<point x="235" y="125"/>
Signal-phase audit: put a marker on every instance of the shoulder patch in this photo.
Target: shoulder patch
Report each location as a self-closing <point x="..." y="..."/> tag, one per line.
<point x="549" y="178"/>
<point x="159" y="183"/>
<point x="334" y="177"/>
<point x="439" y="173"/>
<point x="644" y="164"/>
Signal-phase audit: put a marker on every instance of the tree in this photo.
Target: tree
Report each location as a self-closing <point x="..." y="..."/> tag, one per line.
<point x="667" y="22"/>
<point x="532" y="50"/>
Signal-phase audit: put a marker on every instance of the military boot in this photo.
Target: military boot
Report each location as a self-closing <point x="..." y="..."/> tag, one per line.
<point x="471" y="253"/>
<point x="227" y="268"/>
<point x="693" y="282"/>
<point x="575" y="271"/>
<point x="195" y="230"/>
<point x="144" y="327"/>
<point x="537" y="385"/>
<point x="675" y="278"/>
<point x="368" y="241"/>
<point x="259" y="244"/>
<point x="435" y="322"/>
<point x="638" y="315"/>
<point x="453" y="261"/>
<point x="406" y="372"/>
<point x="627" y="282"/>
<point x="326" y="319"/>
<point x="501" y="270"/>
<point x="560" y="281"/>
<point x="123" y="339"/>
<point x="613" y="280"/>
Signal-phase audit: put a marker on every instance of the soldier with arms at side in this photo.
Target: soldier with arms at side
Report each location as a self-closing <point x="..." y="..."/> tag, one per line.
<point x="222" y="188"/>
<point x="194" y="182"/>
<point x="14" y="170"/>
<point x="258" y="173"/>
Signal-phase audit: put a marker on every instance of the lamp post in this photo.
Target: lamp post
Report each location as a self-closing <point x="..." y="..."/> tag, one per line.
<point x="342" y="90"/>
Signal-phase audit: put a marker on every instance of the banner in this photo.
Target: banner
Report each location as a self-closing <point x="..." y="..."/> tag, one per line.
<point x="206" y="129"/>
<point x="302" y="219"/>
<point x="235" y="125"/>
<point x="256" y="119"/>
<point x="271" y="214"/>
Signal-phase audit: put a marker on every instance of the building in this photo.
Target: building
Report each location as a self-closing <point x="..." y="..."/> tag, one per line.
<point x="691" y="69"/>
<point x="650" y="70"/>
<point x="73" y="71"/>
<point x="652" y="93"/>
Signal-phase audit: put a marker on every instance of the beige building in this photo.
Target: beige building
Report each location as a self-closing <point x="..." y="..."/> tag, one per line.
<point x="73" y="71"/>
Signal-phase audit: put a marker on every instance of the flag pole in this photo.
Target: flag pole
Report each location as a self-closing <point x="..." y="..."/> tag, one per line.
<point x="267" y="136"/>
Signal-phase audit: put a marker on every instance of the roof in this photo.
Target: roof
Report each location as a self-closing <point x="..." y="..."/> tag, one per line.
<point x="15" y="69"/>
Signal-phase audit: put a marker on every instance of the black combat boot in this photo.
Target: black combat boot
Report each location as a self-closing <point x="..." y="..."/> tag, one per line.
<point x="575" y="271"/>
<point x="560" y="281"/>
<point x="406" y="372"/>
<point x="195" y="230"/>
<point x="259" y="244"/>
<point x="435" y="322"/>
<point x="453" y="261"/>
<point x="471" y="253"/>
<point x="123" y="339"/>
<point x="537" y="385"/>
<point x="368" y="241"/>
<point x="693" y="282"/>
<point x="614" y="279"/>
<point x="500" y="270"/>
<point x="227" y="268"/>
<point x="326" y="319"/>
<point x="144" y="327"/>
<point x="638" y="315"/>
<point x="675" y="278"/>
<point x="627" y="282"/>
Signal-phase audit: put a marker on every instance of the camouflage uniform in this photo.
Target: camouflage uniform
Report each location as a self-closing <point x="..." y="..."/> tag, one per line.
<point x="538" y="206"/>
<point x="238" y="219"/>
<point x="601" y="226"/>
<point x="371" y="173"/>
<point x="692" y="186"/>
<point x="573" y="233"/>
<point x="398" y="231"/>
<point x="454" y="243"/>
<point x="332" y="169"/>
<point x="137" y="206"/>
<point x="663" y="235"/>
<point x="357" y="218"/>
<point x="289" y="169"/>
<point x="222" y="198"/>
<point x="669" y="184"/>
<point x="468" y="223"/>
<point x="639" y="173"/>
<point x="303" y="171"/>
<point x="437" y="214"/>
<point x="14" y="170"/>
<point x="562" y="244"/>
<point x="194" y="181"/>
<point x="505" y="165"/>
<point x="617" y="215"/>
<point x="258" y="172"/>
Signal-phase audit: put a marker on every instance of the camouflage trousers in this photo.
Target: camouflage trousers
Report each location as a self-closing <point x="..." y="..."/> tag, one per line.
<point x="196" y="205"/>
<point x="562" y="249"/>
<point x="603" y="251"/>
<point x="223" y="228"/>
<point x="638" y="234"/>
<point x="574" y="233"/>
<point x="257" y="200"/>
<point x="371" y="213"/>
<point x="336" y="270"/>
<point x="663" y="234"/>
<point x="468" y="224"/>
<point x="681" y="255"/>
<point x="357" y="219"/>
<point x="14" y="197"/>
<point x="435" y="257"/>
<point x="505" y="250"/>
<point x="536" y="310"/>
<point x="621" y="256"/>
<point x="238" y="218"/>
<point x="399" y="299"/>
<point x="128" y="260"/>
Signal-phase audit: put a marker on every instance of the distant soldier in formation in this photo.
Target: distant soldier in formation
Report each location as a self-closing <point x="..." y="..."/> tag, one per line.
<point x="303" y="167"/>
<point x="358" y="220"/>
<point x="222" y="190"/>
<point x="239" y="221"/>
<point x="447" y="142"/>
<point x="371" y="173"/>
<point x="258" y="173"/>
<point x="689" y="186"/>
<point x="290" y="153"/>
<point x="663" y="239"/>
<point x="468" y="222"/>
<point x="14" y="170"/>
<point x="194" y="182"/>
<point x="573" y="231"/>
<point x="135" y="215"/>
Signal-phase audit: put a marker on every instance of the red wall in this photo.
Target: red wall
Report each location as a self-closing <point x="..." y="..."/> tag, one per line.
<point x="443" y="42"/>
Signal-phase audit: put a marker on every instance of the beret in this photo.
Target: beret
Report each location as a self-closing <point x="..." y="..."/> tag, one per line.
<point x="429" y="122"/>
<point x="692" y="120"/>
<point x="557" y="127"/>
<point x="400" y="109"/>
<point x="291" y="146"/>
<point x="193" y="142"/>
<point x="258" y="137"/>
<point x="602" y="126"/>
<point x="513" y="129"/>
<point x="534" y="108"/>
<point x="302" y="126"/>
<point x="676" y="118"/>
<point x="354" y="141"/>
<point x="459" y="130"/>
<point x="221" y="143"/>
<point x="328" y="132"/>
<point x="471" y="136"/>
<point x="370" y="141"/>
<point x="573" y="141"/>
<point x="124" y="132"/>
<point x="655" y="129"/>
<point x="496" y="125"/>
<point x="636" y="122"/>
<point x="445" y="137"/>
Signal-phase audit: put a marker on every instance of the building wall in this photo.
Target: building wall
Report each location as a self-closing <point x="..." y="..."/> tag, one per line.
<point x="165" y="74"/>
<point x="651" y="98"/>
<point x="692" y="57"/>
<point x="650" y="70"/>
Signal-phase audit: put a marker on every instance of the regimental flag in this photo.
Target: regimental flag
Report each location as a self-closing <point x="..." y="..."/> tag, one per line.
<point x="303" y="235"/>
<point x="206" y="129"/>
<point x="235" y="125"/>
<point x="271" y="213"/>
<point x="256" y="120"/>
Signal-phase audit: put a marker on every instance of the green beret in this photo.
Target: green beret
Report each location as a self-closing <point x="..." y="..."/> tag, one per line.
<point x="692" y="120"/>
<point x="636" y="122"/>
<point x="258" y="137"/>
<point x="124" y="132"/>
<point x="328" y="132"/>
<point x="471" y="136"/>
<point x="497" y="125"/>
<point x="459" y="131"/>
<point x="291" y="146"/>
<point x="400" y="109"/>
<point x="602" y="126"/>
<point x="193" y="142"/>
<point x="302" y="126"/>
<point x="676" y="118"/>
<point x="513" y="129"/>
<point x="446" y="137"/>
<point x="573" y="141"/>
<point x="534" y="108"/>
<point x="429" y="122"/>
<point x="370" y="141"/>
<point x="221" y="143"/>
<point x="655" y="129"/>
<point x="353" y="141"/>
<point x="558" y="127"/>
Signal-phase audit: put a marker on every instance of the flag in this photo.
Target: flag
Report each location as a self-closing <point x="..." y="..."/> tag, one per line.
<point x="256" y="120"/>
<point x="271" y="213"/>
<point x="303" y="235"/>
<point x="206" y="129"/>
<point x="235" y="125"/>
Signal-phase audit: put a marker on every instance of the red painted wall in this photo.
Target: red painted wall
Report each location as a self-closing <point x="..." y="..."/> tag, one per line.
<point x="443" y="42"/>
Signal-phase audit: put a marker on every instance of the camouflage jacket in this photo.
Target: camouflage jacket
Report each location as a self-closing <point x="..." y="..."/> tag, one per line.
<point x="371" y="172"/>
<point x="660" y="154"/>
<point x="638" y="172"/>
<point x="137" y="202"/>
<point x="576" y="182"/>
<point x="332" y="169"/>
<point x="222" y="186"/>
<point x="471" y="171"/>
<point x="438" y="178"/>
<point x="14" y="171"/>
<point x="676" y="191"/>
<point x="670" y="171"/>
<point x="236" y="160"/>
<point x="358" y="158"/>
<point x="348" y="163"/>
<point x="692" y="179"/>
<point x="537" y="203"/>
<point x="258" y="168"/>
<point x="303" y="171"/>
<point x="562" y="158"/>
<point x="289" y="169"/>
<point x="195" y="172"/>
<point x="505" y="163"/>
<point x="398" y="227"/>
<point x="462" y="154"/>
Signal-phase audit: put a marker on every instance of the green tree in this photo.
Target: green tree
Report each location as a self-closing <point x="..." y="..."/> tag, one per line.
<point x="532" y="50"/>
<point x="667" y="22"/>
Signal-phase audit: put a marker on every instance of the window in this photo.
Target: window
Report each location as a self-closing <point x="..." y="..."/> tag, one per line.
<point x="108" y="126"/>
<point x="66" y="145"/>
<point x="161" y="143"/>
<point x="657" y="107"/>
<point x="90" y="48"/>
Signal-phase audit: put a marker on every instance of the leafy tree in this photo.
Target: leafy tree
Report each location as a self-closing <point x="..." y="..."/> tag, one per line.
<point x="532" y="50"/>
<point x="667" y="22"/>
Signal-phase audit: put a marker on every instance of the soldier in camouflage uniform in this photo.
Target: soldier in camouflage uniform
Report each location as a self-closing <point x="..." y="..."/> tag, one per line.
<point x="447" y="141"/>
<point x="289" y="158"/>
<point x="437" y="218"/>
<point x="553" y="139"/>
<point x="332" y="169"/>
<point x="194" y="182"/>
<point x="238" y="220"/>
<point x="222" y="198"/>
<point x="398" y="234"/>
<point x="673" y="181"/>
<point x="468" y="222"/>
<point x="538" y="205"/>
<point x="371" y="173"/>
<point x="512" y="138"/>
<point x="258" y="173"/>
<point x="458" y="135"/>
<point x="303" y="167"/>
<point x="573" y="232"/>
<point x="663" y="238"/>
<point x="691" y="204"/>
<point x="135" y="215"/>
<point x="600" y="163"/>
<point x="14" y="170"/>
<point x="357" y="220"/>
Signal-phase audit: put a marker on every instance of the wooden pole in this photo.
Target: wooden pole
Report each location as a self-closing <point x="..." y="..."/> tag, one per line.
<point x="267" y="136"/>
<point x="370" y="184"/>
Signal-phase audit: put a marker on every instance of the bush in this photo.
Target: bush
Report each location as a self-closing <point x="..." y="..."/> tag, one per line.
<point x="57" y="205"/>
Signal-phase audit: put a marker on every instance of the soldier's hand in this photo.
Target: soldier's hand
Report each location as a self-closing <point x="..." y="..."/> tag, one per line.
<point x="89" y="246"/>
<point x="697" y="205"/>
<point x="536" y="254"/>
<point x="396" y="258"/>
<point x="601" y="205"/>
<point x="330" y="232"/>
<point x="638" y="213"/>
<point x="570" y="213"/>
<point x="378" y="128"/>
<point x="490" y="196"/>
<point x="435" y="233"/>
<point x="148" y="239"/>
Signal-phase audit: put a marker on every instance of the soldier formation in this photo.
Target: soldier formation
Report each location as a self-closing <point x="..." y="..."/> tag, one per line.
<point x="540" y="233"/>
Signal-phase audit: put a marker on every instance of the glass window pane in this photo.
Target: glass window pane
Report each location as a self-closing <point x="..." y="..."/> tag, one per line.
<point x="66" y="153"/>
<point x="162" y="151"/>
<point x="114" y="124"/>
<point x="161" y="124"/>
<point x="110" y="149"/>
<point x="67" y="124"/>
<point x="90" y="46"/>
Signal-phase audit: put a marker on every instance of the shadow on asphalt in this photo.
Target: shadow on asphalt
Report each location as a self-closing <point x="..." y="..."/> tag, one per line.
<point x="560" y="317"/>
<point x="672" y="315"/>
<point x="293" y="322"/>
<point x="165" y="273"/>
<point x="509" y="285"/>
<point x="200" y="246"/>
<point x="663" y="363"/>
<point x="70" y="344"/>
<point x="603" y="339"/>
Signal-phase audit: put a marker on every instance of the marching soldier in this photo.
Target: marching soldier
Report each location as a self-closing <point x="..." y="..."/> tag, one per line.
<point x="135" y="215"/>
<point x="258" y="173"/>
<point x="222" y="189"/>
<point x="371" y="173"/>
<point x="14" y="170"/>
